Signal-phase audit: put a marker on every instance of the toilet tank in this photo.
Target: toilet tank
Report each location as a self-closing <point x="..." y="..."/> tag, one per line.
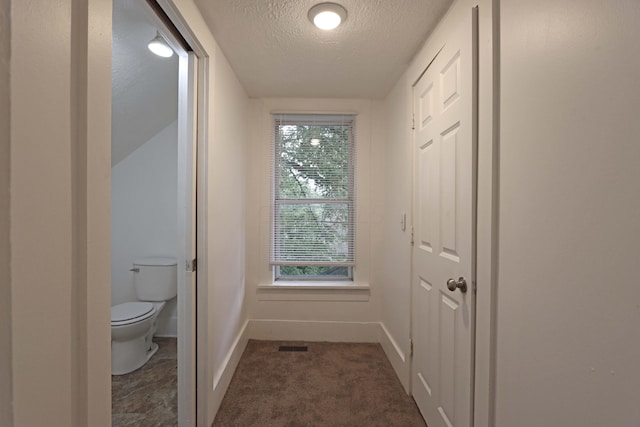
<point x="155" y="278"/>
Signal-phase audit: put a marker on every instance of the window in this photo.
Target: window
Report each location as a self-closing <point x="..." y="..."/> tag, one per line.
<point x="313" y="209"/>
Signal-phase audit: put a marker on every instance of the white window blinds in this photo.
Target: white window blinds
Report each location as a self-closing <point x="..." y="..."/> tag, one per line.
<point x="313" y="209"/>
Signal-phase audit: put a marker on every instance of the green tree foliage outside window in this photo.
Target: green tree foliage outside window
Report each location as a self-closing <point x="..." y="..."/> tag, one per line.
<point x="313" y="196"/>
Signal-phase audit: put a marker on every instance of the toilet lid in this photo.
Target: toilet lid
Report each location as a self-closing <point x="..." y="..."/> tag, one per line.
<point x="129" y="312"/>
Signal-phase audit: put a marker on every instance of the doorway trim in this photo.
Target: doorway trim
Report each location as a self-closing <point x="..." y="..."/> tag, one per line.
<point x="487" y="213"/>
<point x="187" y="235"/>
<point x="183" y="14"/>
<point x="186" y="214"/>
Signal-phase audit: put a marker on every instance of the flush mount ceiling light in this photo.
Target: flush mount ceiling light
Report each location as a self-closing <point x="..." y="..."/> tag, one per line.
<point x="327" y="16"/>
<point x="160" y="47"/>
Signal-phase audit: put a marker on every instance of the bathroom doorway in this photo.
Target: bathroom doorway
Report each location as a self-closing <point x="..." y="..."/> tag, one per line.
<point x="154" y="111"/>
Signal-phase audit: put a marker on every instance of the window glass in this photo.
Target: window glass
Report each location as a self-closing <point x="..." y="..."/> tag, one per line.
<point x="313" y="206"/>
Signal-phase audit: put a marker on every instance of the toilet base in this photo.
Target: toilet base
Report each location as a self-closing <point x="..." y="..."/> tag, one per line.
<point x="132" y="345"/>
<point x="127" y="356"/>
<point x="152" y="350"/>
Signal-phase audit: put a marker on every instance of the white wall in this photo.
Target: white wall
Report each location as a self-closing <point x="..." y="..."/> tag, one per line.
<point x="395" y="259"/>
<point x="6" y="418"/>
<point x="370" y="176"/>
<point x="41" y="210"/>
<point x="226" y="172"/>
<point x="144" y="205"/>
<point x="60" y="100"/>
<point x="568" y="296"/>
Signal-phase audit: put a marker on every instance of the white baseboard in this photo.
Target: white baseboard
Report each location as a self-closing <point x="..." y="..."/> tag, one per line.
<point x="167" y="327"/>
<point x="165" y="335"/>
<point x="399" y="360"/>
<point x="222" y="377"/>
<point x="305" y="330"/>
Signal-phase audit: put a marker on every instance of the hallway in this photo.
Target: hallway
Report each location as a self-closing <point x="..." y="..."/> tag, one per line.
<point x="555" y="219"/>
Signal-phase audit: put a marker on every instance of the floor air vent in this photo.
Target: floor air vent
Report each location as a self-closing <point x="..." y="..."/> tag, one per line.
<point x="293" y="348"/>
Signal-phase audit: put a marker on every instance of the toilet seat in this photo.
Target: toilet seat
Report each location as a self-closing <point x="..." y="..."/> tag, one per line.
<point x="131" y="312"/>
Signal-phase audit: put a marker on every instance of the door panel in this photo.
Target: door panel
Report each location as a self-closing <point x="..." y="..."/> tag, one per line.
<point x="448" y="195"/>
<point x="187" y="170"/>
<point x="442" y="320"/>
<point x="427" y="194"/>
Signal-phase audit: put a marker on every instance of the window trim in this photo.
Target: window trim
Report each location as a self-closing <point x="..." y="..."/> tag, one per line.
<point x="277" y="120"/>
<point x="314" y="291"/>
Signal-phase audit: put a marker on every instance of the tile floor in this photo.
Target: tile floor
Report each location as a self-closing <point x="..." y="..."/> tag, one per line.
<point x="148" y="396"/>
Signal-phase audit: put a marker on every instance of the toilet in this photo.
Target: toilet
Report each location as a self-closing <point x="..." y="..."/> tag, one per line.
<point x="134" y="323"/>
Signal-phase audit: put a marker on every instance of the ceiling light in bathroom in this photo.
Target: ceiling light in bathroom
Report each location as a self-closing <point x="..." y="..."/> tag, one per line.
<point x="160" y="47"/>
<point x="327" y="16"/>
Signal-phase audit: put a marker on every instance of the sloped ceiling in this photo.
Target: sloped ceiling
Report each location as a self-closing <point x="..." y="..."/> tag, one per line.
<point x="277" y="52"/>
<point x="144" y="86"/>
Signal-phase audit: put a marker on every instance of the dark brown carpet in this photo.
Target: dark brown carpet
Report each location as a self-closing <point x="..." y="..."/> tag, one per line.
<point x="333" y="384"/>
<point x="148" y="396"/>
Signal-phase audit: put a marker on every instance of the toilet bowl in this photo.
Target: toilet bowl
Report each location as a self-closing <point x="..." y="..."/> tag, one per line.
<point x="134" y="323"/>
<point x="132" y="327"/>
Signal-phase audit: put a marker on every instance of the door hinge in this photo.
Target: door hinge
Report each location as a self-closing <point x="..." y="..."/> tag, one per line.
<point x="410" y="348"/>
<point x="413" y="121"/>
<point x="412" y="236"/>
<point x="192" y="265"/>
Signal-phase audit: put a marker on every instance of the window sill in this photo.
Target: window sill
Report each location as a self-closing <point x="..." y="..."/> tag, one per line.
<point x="313" y="291"/>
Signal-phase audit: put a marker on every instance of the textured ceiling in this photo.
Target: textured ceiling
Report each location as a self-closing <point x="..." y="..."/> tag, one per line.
<point x="144" y="86"/>
<point x="277" y="52"/>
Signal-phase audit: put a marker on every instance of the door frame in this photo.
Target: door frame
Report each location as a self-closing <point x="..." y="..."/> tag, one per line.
<point x="187" y="234"/>
<point x="487" y="193"/>
<point x="177" y="12"/>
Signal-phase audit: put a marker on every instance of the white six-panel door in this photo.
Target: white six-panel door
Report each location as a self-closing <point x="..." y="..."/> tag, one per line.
<point x="444" y="171"/>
